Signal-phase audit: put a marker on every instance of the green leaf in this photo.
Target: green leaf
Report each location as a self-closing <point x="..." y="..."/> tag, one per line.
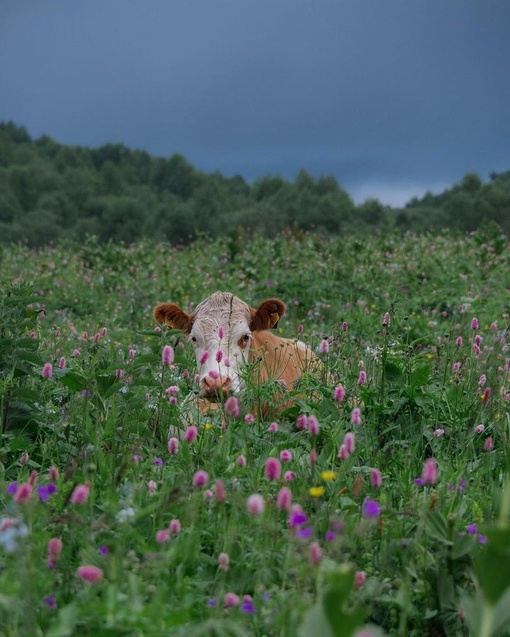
<point x="74" y="381"/>
<point x="65" y="622"/>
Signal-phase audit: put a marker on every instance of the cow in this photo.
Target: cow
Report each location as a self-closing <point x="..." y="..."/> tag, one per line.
<point x="231" y="339"/>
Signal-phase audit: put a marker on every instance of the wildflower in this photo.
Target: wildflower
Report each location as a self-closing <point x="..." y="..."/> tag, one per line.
<point x="345" y="326"/>
<point x="371" y="508"/>
<point x="173" y="390"/>
<point x="360" y="577"/>
<point x="297" y="517"/>
<point x="343" y="452"/>
<point x="54" y="474"/>
<point x="54" y="551"/>
<point x="349" y="441"/>
<point x="313" y="456"/>
<point x="339" y="393"/>
<point x="173" y="446"/>
<point x="223" y="561"/>
<point x="272" y="469"/>
<point x="241" y="461"/>
<point x="324" y="346"/>
<point x="212" y="603"/>
<point x="158" y="462"/>
<point x="213" y="374"/>
<point x="474" y="323"/>
<point x="273" y="428"/>
<point x="203" y="358"/>
<point x="301" y="421"/>
<point x="488" y="445"/>
<point x="23" y="492"/>
<point x="300" y="329"/>
<point x="230" y="599"/>
<point x="315" y="553"/>
<point x="304" y="534"/>
<point x="62" y="362"/>
<point x="328" y="476"/>
<point x="80" y="493"/>
<point x="356" y="416"/>
<point x="190" y="434"/>
<point x="386" y="319"/>
<point x="175" y="526"/>
<point x="285" y="455"/>
<point x="330" y="536"/>
<point x="47" y="370"/>
<point x="103" y="550"/>
<point x="151" y="487"/>
<point x="284" y="498"/>
<point x="247" y="606"/>
<point x="200" y="478"/>
<point x="471" y="529"/>
<point x="289" y="476"/>
<point x="249" y="419"/>
<point x="438" y="433"/>
<point x="50" y="601"/>
<point x="316" y="492"/>
<point x="232" y="406"/>
<point x="479" y="428"/>
<point x="255" y="504"/>
<point x="167" y="355"/>
<point x="219" y="356"/>
<point x="486" y="395"/>
<point x="375" y="478"/>
<point x="88" y="573"/>
<point x="429" y="473"/>
<point x="220" y="491"/>
<point x="362" y="378"/>
<point x="482" y="380"/>
<point x="221" y="332"/>
<point x="162" y="536"/>
<point x="45" y="491"/>
<point x="458" y="341"/>
<point x="312" y="425"/>
<point x="456" y="367"/>
<point x="33" y="477"/>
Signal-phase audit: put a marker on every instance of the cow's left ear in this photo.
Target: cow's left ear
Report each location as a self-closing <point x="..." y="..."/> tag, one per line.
<point x="267" y="315"/>
<point x="173" y="316"/>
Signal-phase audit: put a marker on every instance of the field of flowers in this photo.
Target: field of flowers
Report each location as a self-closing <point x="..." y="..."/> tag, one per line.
<point x="378" y="504"/>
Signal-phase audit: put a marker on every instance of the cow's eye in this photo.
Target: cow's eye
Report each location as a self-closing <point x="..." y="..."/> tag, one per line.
<point x="193" y="339"/>
<point x="244" y="340"/>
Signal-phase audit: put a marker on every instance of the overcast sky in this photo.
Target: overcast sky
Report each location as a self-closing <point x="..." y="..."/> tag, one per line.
<point x="392" y="97"/>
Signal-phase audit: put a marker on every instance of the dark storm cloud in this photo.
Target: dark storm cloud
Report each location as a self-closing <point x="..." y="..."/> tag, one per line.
<point x="390" y="96"/>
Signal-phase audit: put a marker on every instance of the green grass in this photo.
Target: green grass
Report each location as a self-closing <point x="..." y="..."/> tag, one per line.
<point x="433" y="561"/>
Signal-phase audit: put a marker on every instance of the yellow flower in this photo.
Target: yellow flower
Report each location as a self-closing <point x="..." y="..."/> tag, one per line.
<point x="316" y="492"/>
<point x="208" y="425"/>
<point x="328" y="475"/>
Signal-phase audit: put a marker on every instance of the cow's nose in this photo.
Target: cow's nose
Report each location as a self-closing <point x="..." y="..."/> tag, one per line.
<point x="222" y="384"/>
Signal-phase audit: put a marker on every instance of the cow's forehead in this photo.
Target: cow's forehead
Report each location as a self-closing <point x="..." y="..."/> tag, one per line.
<point x="222" y="309"/>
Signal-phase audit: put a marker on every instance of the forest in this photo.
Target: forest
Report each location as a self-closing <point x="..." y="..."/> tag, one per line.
<point x="51" y="192"/>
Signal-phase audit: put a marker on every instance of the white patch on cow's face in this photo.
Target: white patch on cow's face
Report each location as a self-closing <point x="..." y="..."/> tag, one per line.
<point x="221" y="338"/>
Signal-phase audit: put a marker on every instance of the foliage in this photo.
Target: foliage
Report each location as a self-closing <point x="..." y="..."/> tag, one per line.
<point x="50" y="191"/>
<point x="406" y="534"/>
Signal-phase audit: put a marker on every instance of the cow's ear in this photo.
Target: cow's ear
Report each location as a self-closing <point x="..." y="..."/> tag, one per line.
<point x="267" y="314"/>
<point x="172" y="315"/>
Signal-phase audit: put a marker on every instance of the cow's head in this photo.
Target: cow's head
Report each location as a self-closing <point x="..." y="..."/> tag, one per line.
<point x="221" y="331"/>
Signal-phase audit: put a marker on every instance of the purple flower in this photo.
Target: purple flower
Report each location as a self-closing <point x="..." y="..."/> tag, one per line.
<point x="371" y="508"/>
<point x="12" y="488"/>
<point x="297" y="518"/>
<point x="45" y="491"/>
<point x="304" y="534"/>
<point x="248" y="607"/>
<point x="103" y="550"/>
<point x="419" y="481"/>
<point x="471" y="529"/>
<point x="158" y="462"/>
<point x="212" y="603"/>
<point x="330" y="536"/>
<point x="482" y="538"/>
<point x="51" y="602"/>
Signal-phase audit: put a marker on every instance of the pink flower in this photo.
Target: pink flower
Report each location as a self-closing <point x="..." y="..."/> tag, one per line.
<point x="203" y="358"/>
<point x="456" y="367"/>
<point x="232" y="406"/>
<point x="221" y="332"/>
<point x="190" y="434"/>
<point x="47" y="370"/>
<point x="315" y="553"/>
<point x="23" y="492"/>
<point x="349" y="442"/>
<point x="88" y="573"/>
<point x="345" y="326"/>
<point x="249" y="419"/>
<point x="313" y="456"/>
<point x="175" y="526"/>
<point x="201" y="478"/>
<point x="312" y="425"/>
<point x="255" y="504"/>
<point x="219" y="356"/>
<point x="474" y="323"/>
<point x="285" y="455"/>
<point x="289" y="476"/>
<point x="356" y="416"/>
<point x="273" y="428"/>
<point x="54" y="474"/>
<point x="375" y="478"/>
<point x="438" y="433"/>
<point x="80" y="493"/>
<point x="301" y="421"/>
<point x="479" y="428"/>
<point x="284" y="498"/>
<point x="343" y="452"/>
<point x="220" y="491"/>
<point x="488" y="445"/>
<point x="230" y="599"/>
<point x="223" y="561"/>
<point x="167" y="355"/>
<point x="241" y="461"/>
<point x="482" y="380"/>
<point x="386" y="319"/>
<point x="151" y="486"/>
<point x="162" y="536"/>
<point x="62" y="362"/>
<point x="339" y="393"/>
<point x="362" y="378"/>
<point x="360" y="578"/>
<point x="54" y="551"/>
<point x="324" y="346"/>
<point x="429" y="473"/>
<point x="272" y="469"/>
<point x="173" y="446"/>
<point x="458" y="341"/>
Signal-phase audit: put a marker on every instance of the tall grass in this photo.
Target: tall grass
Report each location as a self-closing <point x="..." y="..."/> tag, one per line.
<point x="383" y="507"/>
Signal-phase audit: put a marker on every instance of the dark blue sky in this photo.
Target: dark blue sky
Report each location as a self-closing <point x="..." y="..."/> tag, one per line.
<point x="393" y="97"/>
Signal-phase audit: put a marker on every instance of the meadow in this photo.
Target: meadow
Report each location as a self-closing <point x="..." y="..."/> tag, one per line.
<point x="377" y="504"/>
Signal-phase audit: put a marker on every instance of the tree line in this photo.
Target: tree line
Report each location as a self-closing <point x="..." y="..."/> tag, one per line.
<point x="51" y="191"/>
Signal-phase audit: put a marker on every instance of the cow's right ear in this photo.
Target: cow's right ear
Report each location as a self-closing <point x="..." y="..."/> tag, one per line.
<point x="172" y="315"/>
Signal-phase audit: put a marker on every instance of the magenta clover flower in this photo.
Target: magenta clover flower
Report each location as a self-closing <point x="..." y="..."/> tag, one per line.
<point x="371" y="508"/>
